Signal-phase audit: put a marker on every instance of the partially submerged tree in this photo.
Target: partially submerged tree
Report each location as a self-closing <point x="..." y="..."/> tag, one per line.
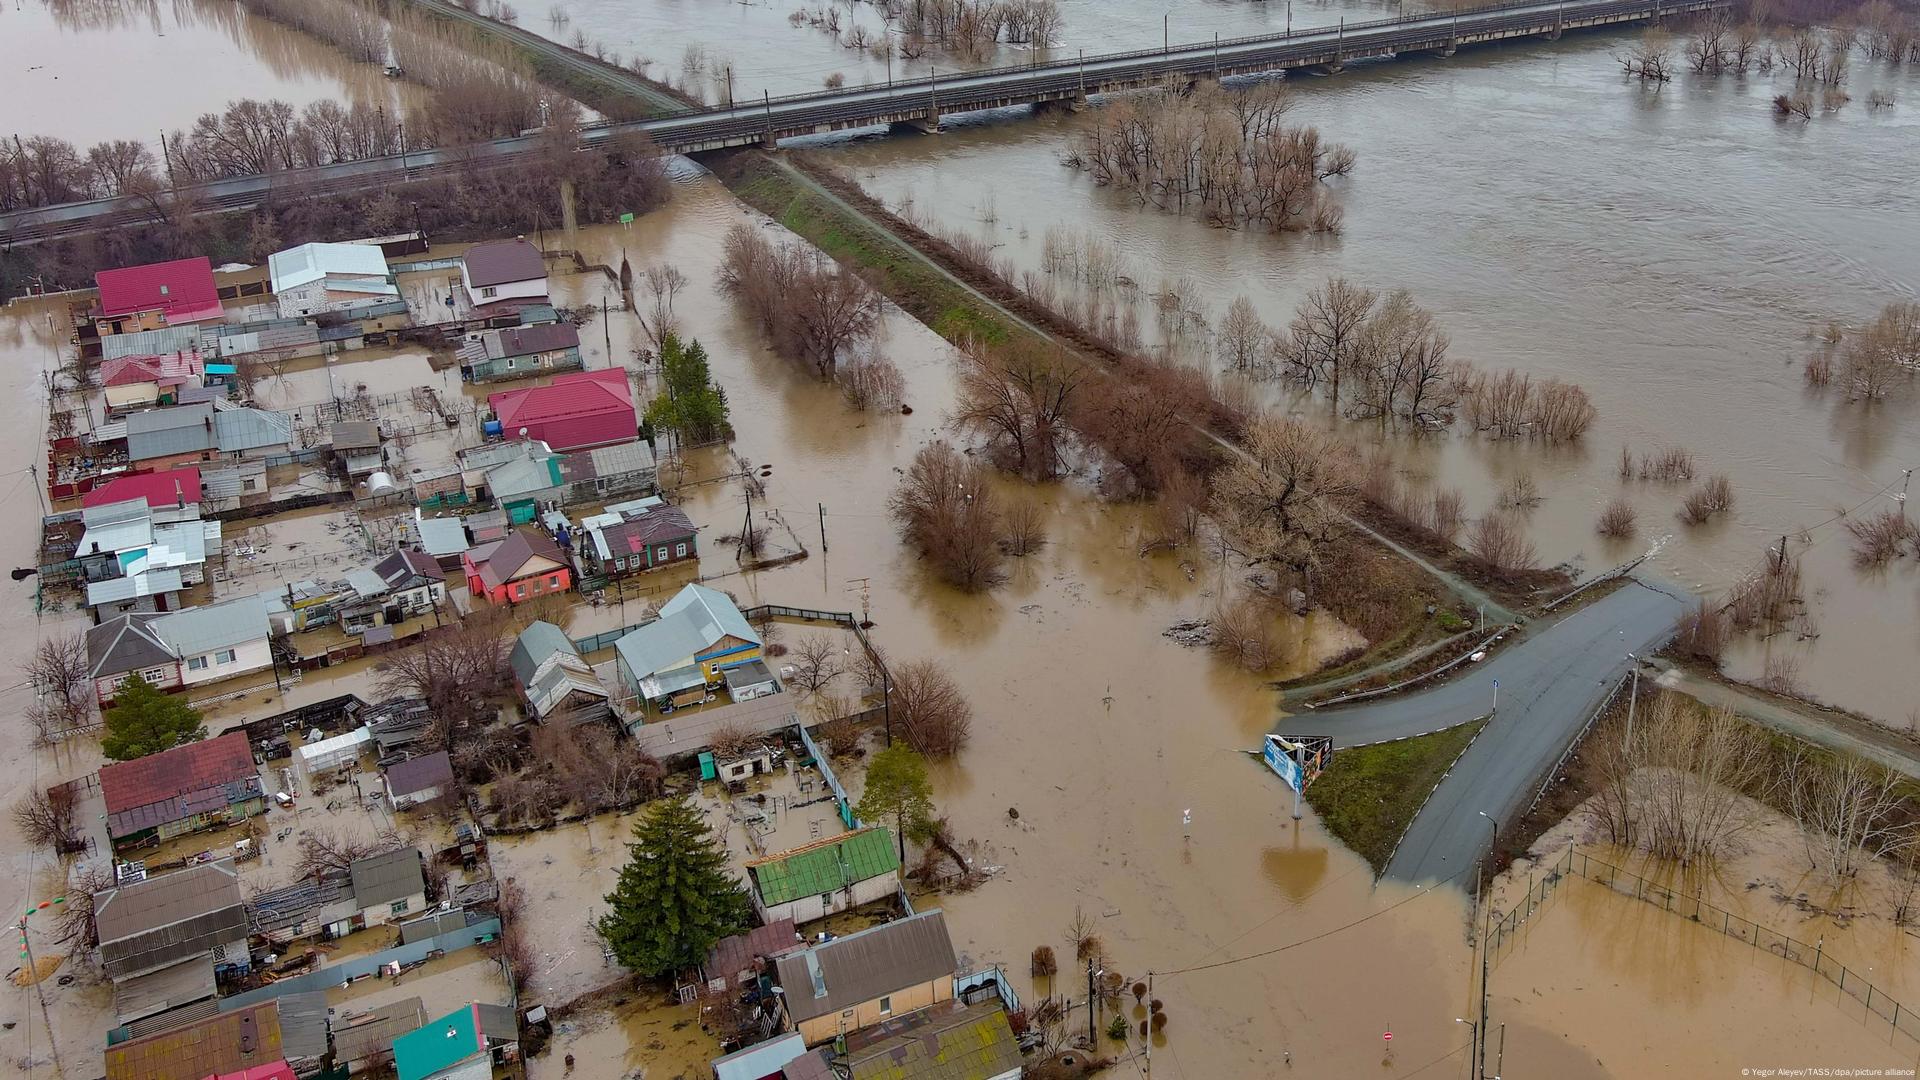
<point x="946" y="510"/>
<point x="1283" y="503"/>
<point x="45" y="818"/>
<point x="675" y="897"/>
<point x="61" y="678"/>
<point x="690" y="403"/>
<point x="1018" y="399"/>
<point x="934" y="714"/>
<point x="143" y="720"/>
<point x="898" y="791"/>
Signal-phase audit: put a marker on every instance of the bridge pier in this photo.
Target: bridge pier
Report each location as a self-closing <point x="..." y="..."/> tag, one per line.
<point x="1073" y="104"/>
<point x="923" y="125"/>
<point x="1334" y="68"/>
<point x="1444" y="51"/>
<point x="1553" y="34"/>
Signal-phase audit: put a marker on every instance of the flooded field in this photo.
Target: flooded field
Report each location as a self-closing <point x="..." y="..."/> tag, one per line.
<point x="1651" y="245"/>
<point x="89" y="70"/>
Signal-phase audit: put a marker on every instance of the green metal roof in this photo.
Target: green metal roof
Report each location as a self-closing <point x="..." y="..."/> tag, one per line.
<point x="439" y="1046"/>
<point x="824" y="866"/>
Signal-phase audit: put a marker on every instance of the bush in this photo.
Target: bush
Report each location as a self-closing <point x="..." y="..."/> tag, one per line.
<point x="1117" y="1030"/>
<point x="1498" y="542"/>
<point x="1713" y="498"/>
<point x="1618" y="520"/>
<point x="934" y="715"/>
<point x="1043" y="964"/>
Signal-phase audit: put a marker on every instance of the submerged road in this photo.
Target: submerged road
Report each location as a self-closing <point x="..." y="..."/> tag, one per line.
<point x="1550" y="683"/>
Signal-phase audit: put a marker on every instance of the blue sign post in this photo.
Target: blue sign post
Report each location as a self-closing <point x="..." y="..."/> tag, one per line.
<point x="1496" y="695"/>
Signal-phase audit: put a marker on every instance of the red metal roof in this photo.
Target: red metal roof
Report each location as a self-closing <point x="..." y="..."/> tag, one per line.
<point x="177" y="773"/>
<point x="582" y="409"/>
<point x="277" y="1070"/>
<point x="128" y="370"/>
<point x="158" y="488"/>
<point x="182" y="286"/>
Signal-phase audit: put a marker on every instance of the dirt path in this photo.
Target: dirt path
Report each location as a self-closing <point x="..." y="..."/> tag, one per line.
<point x="1832" y="730"/>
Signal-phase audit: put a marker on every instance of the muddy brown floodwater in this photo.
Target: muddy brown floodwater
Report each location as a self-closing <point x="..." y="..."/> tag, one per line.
<point x="88" y="70"/>
<point x="1672" y="251"/>
<point x="1271" y="938"/>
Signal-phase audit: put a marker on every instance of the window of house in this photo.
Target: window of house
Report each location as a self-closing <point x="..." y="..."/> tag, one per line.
<point x="886" y="1006"/>
<point x="620" y="563"/>
<point x="520" y="589"/>
<point x="196" y="663"/>
<point x="554" y="581"/>
<point x="399" y="907"/>
<point x="488" y="290"/>
<point x="679" y="551"/>
<point x="224" y="656"/>
<point x="660" y="553"/>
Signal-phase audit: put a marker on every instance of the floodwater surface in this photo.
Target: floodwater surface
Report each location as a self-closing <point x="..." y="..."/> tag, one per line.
<point x="1671" y="250"/>
<point x="91" y="70"/>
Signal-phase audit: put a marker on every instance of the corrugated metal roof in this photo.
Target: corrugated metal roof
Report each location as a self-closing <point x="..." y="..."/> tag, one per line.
<point x="121" y="589"/>
<point x="440" y="535"/>
<point x="946" y="1042"/>
<point x="370" y="1034"/>
<point x="865" y="965"/>
<point x="303" y="1025"/>
<point x="169" y="988"/>
<point x="527" y="340"/>
<point x="499" y="262"/>
<point x="250" y="429"/>
<point x="439" y="1045"/>
<point x="225" y="624"/>
<point x="824" y="866"/>
<point x="231" y="1041"/>
<point x="696" y="619"/>
<point x="308" y="263"/>
<point x="162" y="920"/>
<point x="161" y="342"/>
<point x="390" y="876"/>
<point x="732" y="955"/>
<point x="179" y="285"/>
<point x="531" y="649"/>
<point x="760" y="1060"/>
<point x="186" y="429"/>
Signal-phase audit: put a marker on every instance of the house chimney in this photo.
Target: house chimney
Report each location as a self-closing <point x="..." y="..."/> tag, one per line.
<point x="179" y="495"/>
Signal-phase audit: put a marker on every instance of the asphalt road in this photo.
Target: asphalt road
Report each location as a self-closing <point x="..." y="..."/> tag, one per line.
<point x="1549" y="683"/>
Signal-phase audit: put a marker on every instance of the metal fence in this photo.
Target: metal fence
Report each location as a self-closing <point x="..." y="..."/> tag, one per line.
<point x="1877" y="1005"/>
<point x="844" y="804"/>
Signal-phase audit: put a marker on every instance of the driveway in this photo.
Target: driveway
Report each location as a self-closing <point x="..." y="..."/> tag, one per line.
<point x="1549" y="684"/>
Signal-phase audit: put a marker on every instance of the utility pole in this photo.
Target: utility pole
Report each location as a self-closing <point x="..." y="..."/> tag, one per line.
<point x="1632" y="696"/>
<point x="1166" y="33"/>
<point x="933" y="96"/>
<point x="1486" y="926"/>
<point x="746" y="529"/>
<point x="1090" y="1035"/>
<point x="33" y="972"/>
<point x="1148" y="1038"/>
<point x="608" y="327"/>
<point x="823" y="528"/>
<point x="729" y="87"/>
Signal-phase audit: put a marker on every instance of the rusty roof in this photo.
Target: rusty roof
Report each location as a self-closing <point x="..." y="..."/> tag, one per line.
<point x="225" y="1043"/>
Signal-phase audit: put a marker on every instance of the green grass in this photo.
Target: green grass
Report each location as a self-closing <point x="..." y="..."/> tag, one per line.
<point x="1368" y="796"/>
<point x="919" y="289"/>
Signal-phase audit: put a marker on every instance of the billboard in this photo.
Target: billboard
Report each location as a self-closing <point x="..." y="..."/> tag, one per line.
<point x="1298" y="760"/>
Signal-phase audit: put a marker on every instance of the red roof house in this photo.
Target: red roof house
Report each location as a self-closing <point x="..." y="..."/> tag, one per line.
<point x="159" y="294"/>
<point x="178" y="790"/>
<point x="524" y="565"/>
<point x="168" y="487"/>
<point x="574" y="412"/>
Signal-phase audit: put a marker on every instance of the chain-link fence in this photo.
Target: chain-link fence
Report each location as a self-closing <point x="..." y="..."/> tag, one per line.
<point x="1878" y="1005"/>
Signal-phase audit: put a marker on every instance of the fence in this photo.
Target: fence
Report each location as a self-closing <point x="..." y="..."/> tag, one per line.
<point x="358" y="967"/>
<point x="833" y="782"/>
<point x="1878" y="1002"/>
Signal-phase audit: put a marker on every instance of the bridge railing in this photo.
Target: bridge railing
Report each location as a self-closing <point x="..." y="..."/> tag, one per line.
<point x="1576" y="10"/>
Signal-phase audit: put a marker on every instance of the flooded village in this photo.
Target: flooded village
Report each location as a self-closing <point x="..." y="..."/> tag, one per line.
<point x="940" y="603"/>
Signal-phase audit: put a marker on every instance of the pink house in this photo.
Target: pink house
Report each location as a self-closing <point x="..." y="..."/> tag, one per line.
<point x="524" y="565"/>
<point x="574" y="412"/>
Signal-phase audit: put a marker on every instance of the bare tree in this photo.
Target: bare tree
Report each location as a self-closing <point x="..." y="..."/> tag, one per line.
<point x="872" y="383"/>
<point x="664" y="282"/>
<point x="45" y="818"/>
<point x="816" y="661"/>
<point x="1678" y="785"/>
<point x="1245" y="634"/>
<point x="1882" y="537"/>
<point x="945" y="510"/>
<point x="1498" y="542"/>
<point x="933" y="713"/>
<point x="61" y="677"/>
<point x="1768" y="598"/>
<point x="1711" y="499"/>
<point x="460" y="671"/>
<point x="1243" y="337"/>
<point x="1326" y="333"/>
<point x="1025" y="528"/>
<point x="1850" y="810"/>
<point x="1018" y="399"/>
<point x="1284" y="501"/>
<point x="1449" y="514"/>
<point x="1702" y="634"/>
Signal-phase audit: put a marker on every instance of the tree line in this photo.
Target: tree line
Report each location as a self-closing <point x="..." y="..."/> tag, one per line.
<point x="1228" y="155"/>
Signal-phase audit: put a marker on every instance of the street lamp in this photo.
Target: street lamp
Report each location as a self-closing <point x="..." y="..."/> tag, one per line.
<point x="1633" y="694"/>
<point x="1479" y="1041"/>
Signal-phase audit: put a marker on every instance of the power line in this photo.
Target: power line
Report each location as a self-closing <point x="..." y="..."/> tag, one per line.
<point x="1425" y="891"/>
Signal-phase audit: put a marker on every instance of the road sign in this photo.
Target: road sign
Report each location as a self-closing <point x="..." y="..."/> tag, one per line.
<point x="626" y="218"/>
<point x="1298" y="760"/>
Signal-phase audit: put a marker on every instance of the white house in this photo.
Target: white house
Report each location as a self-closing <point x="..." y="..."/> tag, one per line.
<point x="313" y="278"/>
<point x="503" y="270"/>
<point x="180" y="649"/>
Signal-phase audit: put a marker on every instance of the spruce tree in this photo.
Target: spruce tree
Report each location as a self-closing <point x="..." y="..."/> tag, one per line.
<point x="143" y="720"/>
<point x="675" y="897"/>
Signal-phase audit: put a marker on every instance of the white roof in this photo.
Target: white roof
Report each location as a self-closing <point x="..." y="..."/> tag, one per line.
<point x="120" y="589"/>
<point x="295" y="267"/>
<point x="339" y="745"/>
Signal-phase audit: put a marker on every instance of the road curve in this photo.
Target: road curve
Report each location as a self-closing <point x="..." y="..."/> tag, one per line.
<point x="1549" y="683"/>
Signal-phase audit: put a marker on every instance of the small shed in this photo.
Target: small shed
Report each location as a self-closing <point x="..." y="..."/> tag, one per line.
<point x="418" y="780"/>
<point x="750" y="680"/>
<point x="333" y="753"/>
